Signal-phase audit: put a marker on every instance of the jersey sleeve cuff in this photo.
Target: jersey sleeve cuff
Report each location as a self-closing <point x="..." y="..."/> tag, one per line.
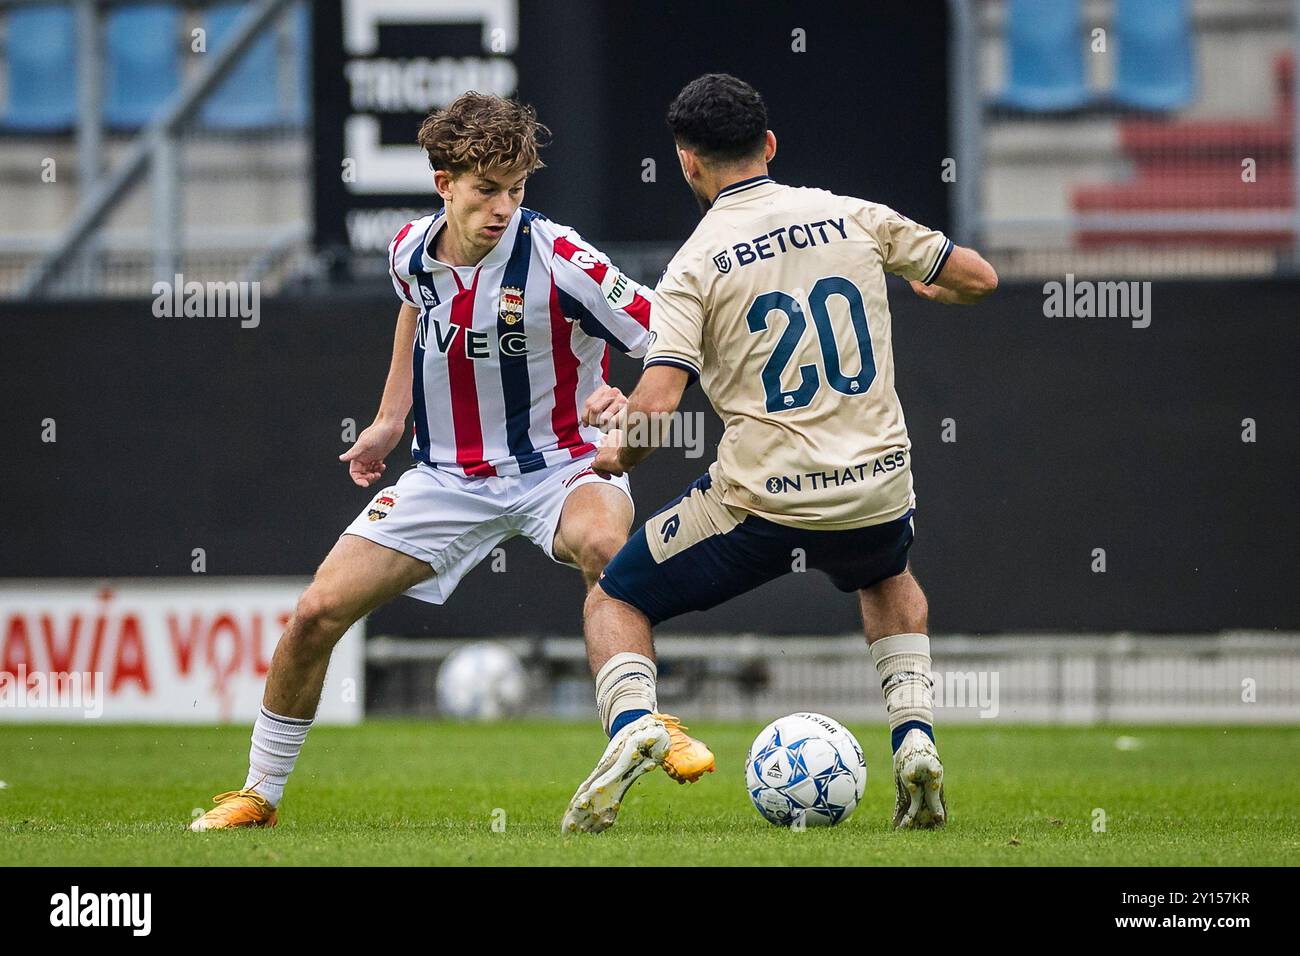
<point x="682" y="364"/>
<point x="939" y="263"/>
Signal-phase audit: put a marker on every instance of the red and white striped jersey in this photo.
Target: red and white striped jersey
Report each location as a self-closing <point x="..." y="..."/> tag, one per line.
<point x="507" y="351"/>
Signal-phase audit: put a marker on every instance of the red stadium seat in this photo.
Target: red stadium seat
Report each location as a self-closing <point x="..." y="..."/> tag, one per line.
<point x="1196" y="167"/>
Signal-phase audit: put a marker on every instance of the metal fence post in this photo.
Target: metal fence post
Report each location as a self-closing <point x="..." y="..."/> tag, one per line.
<point x="90" y="127"/>
<point x="965" y="119"/>
<point x="168" y="230"/>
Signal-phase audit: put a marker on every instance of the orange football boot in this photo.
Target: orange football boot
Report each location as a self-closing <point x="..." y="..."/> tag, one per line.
<point x="688" y="759"/>
<point x="237" y="808"/>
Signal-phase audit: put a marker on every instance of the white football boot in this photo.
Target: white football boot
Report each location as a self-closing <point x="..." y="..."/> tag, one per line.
<point x="633" y="752"/>
<point x="918" y="784"/>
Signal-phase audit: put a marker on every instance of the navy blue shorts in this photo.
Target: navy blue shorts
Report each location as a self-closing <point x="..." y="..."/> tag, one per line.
<point x="696" y="552"/>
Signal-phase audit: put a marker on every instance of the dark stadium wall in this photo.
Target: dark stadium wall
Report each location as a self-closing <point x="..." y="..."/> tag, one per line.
<point x="856" y="93"/>
<point x="1071" y="435"/>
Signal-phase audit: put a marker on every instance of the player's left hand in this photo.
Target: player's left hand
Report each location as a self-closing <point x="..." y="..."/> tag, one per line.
<point x="365" y="459"/>
<point x="603" y="407"/>
<point x="607" y="463"/>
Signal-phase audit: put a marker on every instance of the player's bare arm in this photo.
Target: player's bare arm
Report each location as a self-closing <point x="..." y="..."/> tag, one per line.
<point x="965" y="279"/>
<point x="658" y="393"/>
<point x="366" y="456"/>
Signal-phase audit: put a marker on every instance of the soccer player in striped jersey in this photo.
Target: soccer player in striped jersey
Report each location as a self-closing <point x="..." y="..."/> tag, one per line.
<point x="502" y="337"/>
<point x="777" y="304"/>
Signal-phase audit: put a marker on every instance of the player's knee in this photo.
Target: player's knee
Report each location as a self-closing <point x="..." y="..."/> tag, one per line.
<point x="596" y="599"/>
<point x="598" y="549"/>
<point x="319" y="619"/>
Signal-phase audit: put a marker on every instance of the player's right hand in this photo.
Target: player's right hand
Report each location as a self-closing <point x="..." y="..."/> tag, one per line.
<point x="603" y="407"/>
<point x="607" y="463"/>
<point x="366" y="456"/>
<point x="929" y="292"/>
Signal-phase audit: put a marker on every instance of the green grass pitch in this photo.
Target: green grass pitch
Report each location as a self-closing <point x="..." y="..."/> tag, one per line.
<point x="425" y="793"/>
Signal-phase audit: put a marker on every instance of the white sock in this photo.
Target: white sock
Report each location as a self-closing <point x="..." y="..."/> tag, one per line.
<point x="903" y="662"/>
<point x="626" y="682"/>
<point x="277" y="741"/>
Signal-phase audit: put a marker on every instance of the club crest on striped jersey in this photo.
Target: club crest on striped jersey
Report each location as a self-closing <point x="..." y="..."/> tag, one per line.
<point x="512" y="304"/>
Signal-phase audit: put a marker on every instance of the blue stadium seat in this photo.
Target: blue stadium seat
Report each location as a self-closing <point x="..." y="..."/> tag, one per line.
<point x="41" y="52"/>
<point x="300" y="35"/>
<point x="1044" y="51"/>
<point x="143" y="62"/>
<point x="1154" y="44"/>
<point x="249" y="97"/>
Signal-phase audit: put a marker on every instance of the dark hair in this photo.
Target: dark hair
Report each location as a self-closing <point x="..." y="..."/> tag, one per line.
<point x="719" y="117"/>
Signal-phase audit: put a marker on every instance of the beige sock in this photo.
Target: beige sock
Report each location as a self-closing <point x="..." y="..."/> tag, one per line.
<point x="903" y="662"/>
<point x="626" y="682"/>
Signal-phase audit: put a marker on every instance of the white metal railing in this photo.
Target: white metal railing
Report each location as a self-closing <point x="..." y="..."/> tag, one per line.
<point x="1239" y="677"/>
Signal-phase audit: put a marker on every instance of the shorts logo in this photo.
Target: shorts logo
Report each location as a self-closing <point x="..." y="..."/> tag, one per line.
<point x="512" y="304"/>
<point x="669" y="528"/>
<point x="723" y="261"/>
<point x="382" y="505"/>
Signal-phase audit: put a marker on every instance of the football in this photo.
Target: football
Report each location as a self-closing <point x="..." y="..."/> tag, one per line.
<point x="805" y="770"/>
<point x="481" y="681"/>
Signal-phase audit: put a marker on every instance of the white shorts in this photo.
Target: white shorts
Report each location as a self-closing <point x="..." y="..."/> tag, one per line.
<point x="454" y="522"/>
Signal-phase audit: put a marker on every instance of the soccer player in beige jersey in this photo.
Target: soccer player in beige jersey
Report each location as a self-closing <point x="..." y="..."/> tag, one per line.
<point x="777" y="304"/>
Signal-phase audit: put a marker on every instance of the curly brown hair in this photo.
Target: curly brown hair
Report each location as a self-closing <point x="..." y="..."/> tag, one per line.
<point x="479" y="132"/>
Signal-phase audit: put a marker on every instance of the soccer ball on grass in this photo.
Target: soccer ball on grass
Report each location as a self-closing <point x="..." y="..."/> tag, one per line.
<point x="805" y="770"/>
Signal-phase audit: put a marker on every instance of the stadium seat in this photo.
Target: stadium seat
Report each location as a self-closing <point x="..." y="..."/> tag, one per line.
<point x="1154" y="46"/>
<point x="143" y="62"/>
<point x="41" y="52"/>
<point x="300" y="55"/>
<point x="1044" y="51"/>
<point x="249" y="97"/>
